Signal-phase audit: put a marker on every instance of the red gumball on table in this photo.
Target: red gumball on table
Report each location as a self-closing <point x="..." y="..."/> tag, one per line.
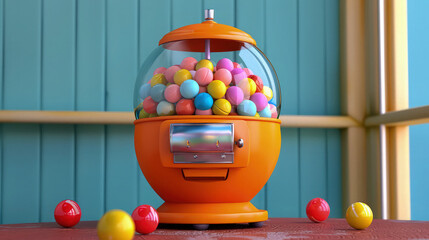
<point x="67" y="213"/>
<point x="318" y="210"/>
<point x="145" y="218"/>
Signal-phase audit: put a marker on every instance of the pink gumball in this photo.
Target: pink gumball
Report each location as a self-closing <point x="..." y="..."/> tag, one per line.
<point x="169" y="73"/>
<point x="225" y="63"/>
<point x="237" y="75"/>
<point x="236" y="65"/>
<point x="234" y="95"/>
<point x="273" y="111"/>
<point x="202" y="89"/>
<point x="149" y="105"/>
<point x="248" y="71"/>
<point x="172" y="93"/>
<point x="259" y="100"/>
<point x="203" y="76"/>
<point x="159" y="70"/>
<point x="204" y="112"/>
<point x="188" y="63"/>
<point x="224" y="75"/>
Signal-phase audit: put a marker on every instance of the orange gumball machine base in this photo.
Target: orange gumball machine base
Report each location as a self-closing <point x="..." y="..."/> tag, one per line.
<point x="208" y="168"/>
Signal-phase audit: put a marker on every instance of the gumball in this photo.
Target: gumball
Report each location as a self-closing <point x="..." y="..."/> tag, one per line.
<point x="159" y="70"/>
<point x="145" y="219"/>
<point x="193" y="73"/>
<point x="189" y="89"/>
<point x="204" y="63"/>
<point x="204" y="112"/>
<point x="202" y="89"/>
<point x="234" y="95"/>
<point x="236" y="65"/>
<point x="188" y="63"/>
<point x="116" y="225"/>
<point x="317" y="210"/>
<point x="267" y="92"/>
<point x="223" y="75"/>
<point x="165" y="108"/>
<point x="203" y="101"/>
<point x="359" y="215"/>
<point x="185" y="107"/>
<point x="248" y="71"/>
<point x="172" y="93"/>
<point x="169" y="73"/>
<point x="266" y="112"/>
<point x="158" y="79"/>
<point x="143" y="114"/>
<point x="181" y="76"/>
<point x="203" y="76"/>
<point x="273" y="110"/>
<point x="157" y="92"/>
<point x="221" y="107"/>
<point x="237" y="75"/>
<point x="67" y="213"/>
<point x="216" y="89"/>
<point x="258" y="82"/>
<point x="149" y="105"/>
<point x="248" y="86"/>
<point x="225" y="63"/>
<point x="259" y="100"/>
<point x="246" y="108"/>
<point x="257" y="115"/>
<point x="144" y="91"/>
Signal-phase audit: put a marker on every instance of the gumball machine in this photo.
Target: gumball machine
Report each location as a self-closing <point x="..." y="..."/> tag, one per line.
<point x="207" y="134"/>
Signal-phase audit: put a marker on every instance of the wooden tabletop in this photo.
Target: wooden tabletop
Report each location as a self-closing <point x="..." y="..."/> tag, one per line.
<point x="275" y="228"/>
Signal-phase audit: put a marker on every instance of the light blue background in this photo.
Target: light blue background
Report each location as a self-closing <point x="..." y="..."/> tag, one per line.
<point x="84" y="54"/>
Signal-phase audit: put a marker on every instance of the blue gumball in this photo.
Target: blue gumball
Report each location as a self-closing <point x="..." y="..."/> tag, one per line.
<point x="189" y="89"/>
<point x="157" y="92"/>
<point x="266" y="112"/>
<point x="246" y="108"/>
<point x="144" y="91"/>
<point x="203" y="101"/>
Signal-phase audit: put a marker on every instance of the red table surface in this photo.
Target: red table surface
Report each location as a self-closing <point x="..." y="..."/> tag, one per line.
<point x="275" y="228"/>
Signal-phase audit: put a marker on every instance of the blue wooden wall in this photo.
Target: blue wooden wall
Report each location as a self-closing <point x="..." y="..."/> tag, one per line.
<point x="418" y="63"/>
<point x="84" y="55"/>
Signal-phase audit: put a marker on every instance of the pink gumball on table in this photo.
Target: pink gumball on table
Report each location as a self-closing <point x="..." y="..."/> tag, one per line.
<point x="224" y="63"/>
<point x="188" y="63"/>
<point x="169" y="73"/>
<point x="234" y="95"/>
<point x="204" y="112"/>
<point x="224" y="75"/>
<point x="145" y="219"/>
<point x="259" y="100"/>
<point x="172" y="93"/>
<point x="203" y="76"/>
<point x="159" y="70"/>
<point x="318" y="210"/>
<point x="67" y="213"/>
<point x="248" y="71"/>
<point x="149" y="105"/>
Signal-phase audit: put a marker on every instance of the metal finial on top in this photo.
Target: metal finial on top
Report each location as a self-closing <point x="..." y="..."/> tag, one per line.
<point x="209" y="14"/>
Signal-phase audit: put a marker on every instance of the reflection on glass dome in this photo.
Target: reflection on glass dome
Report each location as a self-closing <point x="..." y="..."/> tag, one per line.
<point x="175" y="80"/>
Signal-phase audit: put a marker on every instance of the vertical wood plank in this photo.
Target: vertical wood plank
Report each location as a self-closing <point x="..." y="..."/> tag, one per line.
<point x="21" y="143"/>
<point x="255" y="26"/>
<point x="121" y="68"/>
<point x="58" y="93"/>
<point x="149" y="11"/>
<point x="281" y="49"/>
<point x="313" y="179"/>
<point x="90" y="96"/>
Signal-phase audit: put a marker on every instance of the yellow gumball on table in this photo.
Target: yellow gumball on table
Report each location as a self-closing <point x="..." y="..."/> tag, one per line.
<point x="116" y="225"/>
<point x="204" y="63"/>
<point x="359" y="215"/>
<point x="181" y="76"/>
<point x="221" y="107"/>
<point x="158" y="79"/>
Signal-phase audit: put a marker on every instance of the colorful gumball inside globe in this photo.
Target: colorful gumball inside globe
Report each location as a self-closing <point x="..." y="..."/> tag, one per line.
<point x="205" y="87"/>
<point x="145" y="218"/>
<point x="67" y="213"/>
<point x="318" y="210"/>
<point x="359" y="215"/>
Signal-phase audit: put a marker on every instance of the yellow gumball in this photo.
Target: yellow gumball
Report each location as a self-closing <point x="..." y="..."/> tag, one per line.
<point x="257" y="115"/>
<point x="143" y="114"/>
<point x="252" y="86"/>
<point x="204" y="63"/>
<point x="181" y="76"/>
<point x="116" y="225"/>
<point x="216" y="89"/>
<point x="267" y="92"/>
<point x="359" y="215"/>
<point x="158" y="79"/>
<point x="221" y="107"/>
